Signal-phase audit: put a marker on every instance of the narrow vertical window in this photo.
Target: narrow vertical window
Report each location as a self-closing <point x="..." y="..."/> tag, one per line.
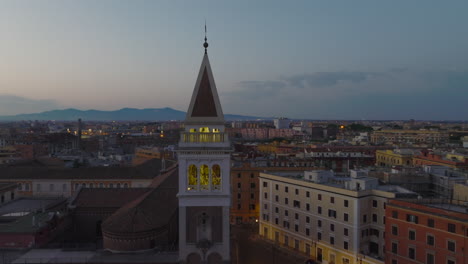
<point x="204" y="177"/>
<point x="216" y="177"/>
<point x="192" y="177"/>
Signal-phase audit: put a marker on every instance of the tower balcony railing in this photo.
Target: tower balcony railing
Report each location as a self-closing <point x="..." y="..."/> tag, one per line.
<point x="190" y="139"/>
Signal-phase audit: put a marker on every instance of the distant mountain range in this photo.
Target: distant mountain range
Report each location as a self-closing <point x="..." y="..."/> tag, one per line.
<point x="124" y="114"/>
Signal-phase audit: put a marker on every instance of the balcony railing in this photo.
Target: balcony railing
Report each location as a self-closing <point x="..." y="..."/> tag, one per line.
<point x="203" y="138"/>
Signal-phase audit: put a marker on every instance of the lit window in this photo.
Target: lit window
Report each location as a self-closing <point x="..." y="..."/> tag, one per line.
<point x="204" y="177"/>
<point x="216" y="177"/>
<point x="192" y="177"/>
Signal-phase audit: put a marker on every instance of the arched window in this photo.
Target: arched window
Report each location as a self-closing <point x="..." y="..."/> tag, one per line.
<point x="204" y="177"/>
<point x="216" y="177"/>
<point x="192" y="177"/>
<point x="193" y="130"/>
<point x="204" y="129"/>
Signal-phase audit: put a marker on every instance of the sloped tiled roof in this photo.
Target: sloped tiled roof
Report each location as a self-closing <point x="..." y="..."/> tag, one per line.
<point x="151" y="211"/>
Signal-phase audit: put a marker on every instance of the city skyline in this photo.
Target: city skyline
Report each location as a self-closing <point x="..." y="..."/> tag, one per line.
<point x="394" y="60"/>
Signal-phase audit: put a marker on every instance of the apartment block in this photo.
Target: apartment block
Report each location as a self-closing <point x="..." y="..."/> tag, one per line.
<point x="426" y="231"/>
<point x="331" y="219"/>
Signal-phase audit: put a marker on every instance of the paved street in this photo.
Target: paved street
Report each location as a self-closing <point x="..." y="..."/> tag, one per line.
<point x="246" y="249"/>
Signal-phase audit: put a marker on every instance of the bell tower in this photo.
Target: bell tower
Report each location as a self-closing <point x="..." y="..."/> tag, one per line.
<point x="204" y="176"/>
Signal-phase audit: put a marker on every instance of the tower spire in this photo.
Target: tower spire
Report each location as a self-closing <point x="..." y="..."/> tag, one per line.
<point x="206" y="43"/>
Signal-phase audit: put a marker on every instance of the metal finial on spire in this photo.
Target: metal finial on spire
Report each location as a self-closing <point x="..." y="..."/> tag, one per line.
<point x="206" y="43"/>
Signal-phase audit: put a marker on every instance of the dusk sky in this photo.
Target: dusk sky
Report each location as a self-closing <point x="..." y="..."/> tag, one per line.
<point x="298" y="59"/>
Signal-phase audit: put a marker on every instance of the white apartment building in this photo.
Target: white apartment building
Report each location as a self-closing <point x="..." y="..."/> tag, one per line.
<point x="331" y="219"/>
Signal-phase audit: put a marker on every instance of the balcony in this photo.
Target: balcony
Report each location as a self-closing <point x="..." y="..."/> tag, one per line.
<point x="189" y="139"/>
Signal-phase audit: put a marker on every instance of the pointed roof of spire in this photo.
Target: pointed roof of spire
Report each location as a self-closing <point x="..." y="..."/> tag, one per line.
<point x="205" y="105"/>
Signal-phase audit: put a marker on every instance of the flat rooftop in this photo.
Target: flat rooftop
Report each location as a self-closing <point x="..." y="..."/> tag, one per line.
<point x="30" y="205"/>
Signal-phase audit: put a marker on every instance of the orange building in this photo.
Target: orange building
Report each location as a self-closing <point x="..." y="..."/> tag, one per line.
<point x="426" y="231"/>
<point x="450" y="160"/>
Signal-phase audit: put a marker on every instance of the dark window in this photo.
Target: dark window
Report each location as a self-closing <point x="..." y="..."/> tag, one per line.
<point x="451" y="246"/>
<point x="252" y="207"/>
<point x="319" y="223"/>
<point x="265" y="184"/>
<point x="395" y="230"/>
<point x="238" y="185"/>
<point x="296" y="228"/>
<point x="430" y="258"/>
<point x="238" y="175"/>
<point x="319" y="210"/>
<point x="394" y="248"/>
<point x="331" y="213"/>
<point x="430" y="222"/>
<point x="332" y="199"/>
<point x="296" y="216"/>
<point x="251" y="175"/>
<point x="319" y="197"/>
<point x="451" y="228"/>
<point x="411" y="253"/>
<point x="297" y="204"/>
<point x="345" y="217"/>
<point x="332" y="240"/>
<point x="345" y="245"/>
<point x="394" y="261"/>
<point x="252" y="196"/>
<point x="297" y="191"/>
<point x="252" y="185"/>
<point x="308" y="207"/>
<point x="319" y="236"/>
<point x="276" y="186"/>
<point x="265" y="195"/>
<point x="430" y="240"/>
<point x="276" y="220"/>
<point x="265" y="206"/>
<point x="364" y="218"/>
<point x="238" y="206"/>
<point x="277" y="198"/>
<point x="332" y="227"/>
<point x="286" y="212"/>
<point x="307" y="194"/>
<point x="412" y="235"/>
<point x="374" y="203"/>
<point x="346" y="232"/>
<point x="307" y="219"/>
<point x="285" y="188"/>
<point x="276" y="210"/>
<point x="395" y="214"/>
<point x="238" y="195"/>
<point x="286" y="201"/>
<point x="449" y="261"/>
<point x="307" y="232"/>
<point x="346" y="203"/>
<point x="412" y="218"/>
<point x="374" y="218"/>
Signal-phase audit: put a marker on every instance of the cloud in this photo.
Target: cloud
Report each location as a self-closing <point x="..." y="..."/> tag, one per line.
<point x="13" y="104"/>
<point x="398" y="93"/>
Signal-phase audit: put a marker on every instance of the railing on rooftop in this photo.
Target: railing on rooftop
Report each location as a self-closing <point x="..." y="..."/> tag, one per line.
<point x="188" y="137"/>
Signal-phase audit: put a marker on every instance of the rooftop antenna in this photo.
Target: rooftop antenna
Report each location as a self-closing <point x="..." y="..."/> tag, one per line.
<point x="206" y="43"/>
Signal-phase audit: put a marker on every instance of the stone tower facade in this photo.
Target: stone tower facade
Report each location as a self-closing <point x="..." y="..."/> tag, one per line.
<point x="204" y="176"/>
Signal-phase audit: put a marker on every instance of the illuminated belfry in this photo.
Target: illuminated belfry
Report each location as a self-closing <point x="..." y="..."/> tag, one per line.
<point x="204" y="171"/>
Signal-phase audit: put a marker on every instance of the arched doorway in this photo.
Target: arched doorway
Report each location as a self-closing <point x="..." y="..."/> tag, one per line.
<point x="215" y="258"/>
<point x="193" y="258"/>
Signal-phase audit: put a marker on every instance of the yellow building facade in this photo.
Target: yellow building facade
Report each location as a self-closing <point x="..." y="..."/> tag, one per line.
<point x="389" y="158"/>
